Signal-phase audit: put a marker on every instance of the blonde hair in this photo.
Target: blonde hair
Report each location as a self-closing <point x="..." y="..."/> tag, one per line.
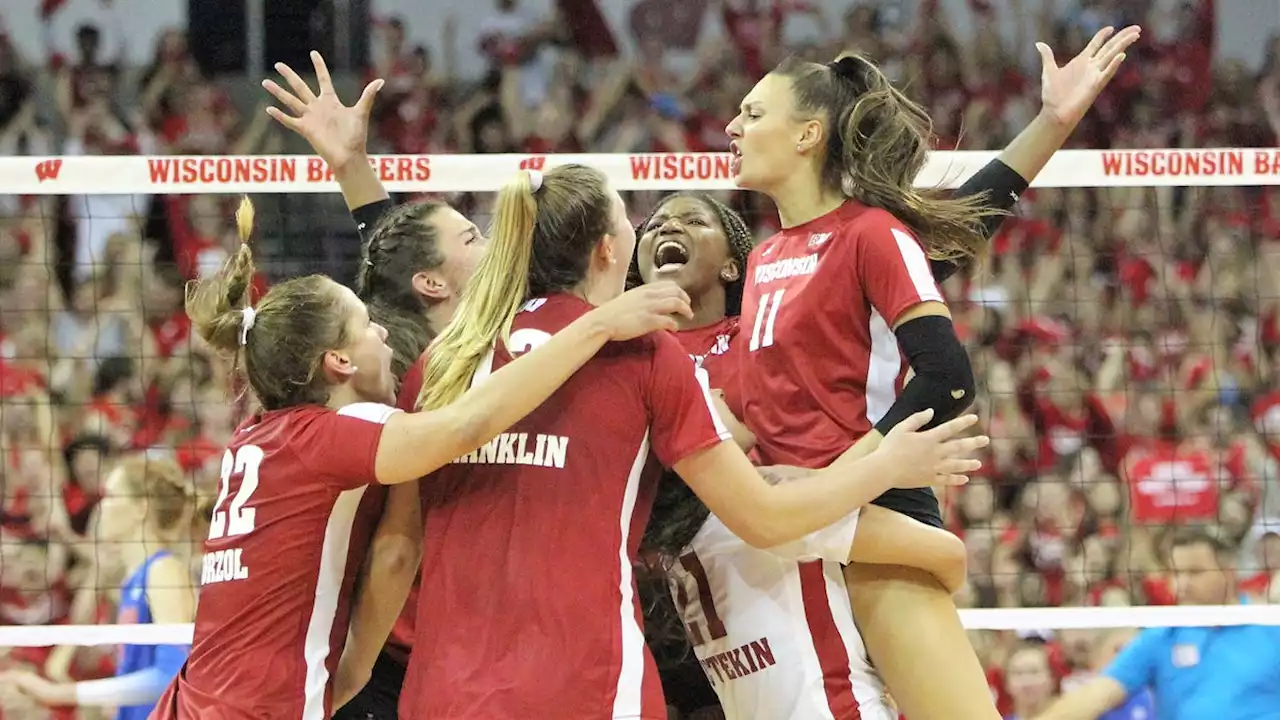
<point x="540" y="242"/>
<point x="295" y="323"/>
<point x="160" y="484"/>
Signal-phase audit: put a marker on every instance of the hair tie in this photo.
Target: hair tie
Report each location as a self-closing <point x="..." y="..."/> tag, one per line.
<point x="246" y="324"/>
<point x="847" y="67"/>
<point x="535" y="180"/>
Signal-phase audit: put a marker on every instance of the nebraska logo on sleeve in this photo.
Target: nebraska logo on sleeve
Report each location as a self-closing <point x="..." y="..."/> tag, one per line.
<point x="48" y="170"/>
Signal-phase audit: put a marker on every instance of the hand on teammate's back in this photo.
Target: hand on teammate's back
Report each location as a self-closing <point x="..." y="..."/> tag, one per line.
<point x="923" y="458"/>
<point x="336" y="132"/>
<point x="643" y="310"/>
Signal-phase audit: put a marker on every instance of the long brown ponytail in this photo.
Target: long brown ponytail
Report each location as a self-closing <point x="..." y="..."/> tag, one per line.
<point x="879" y="143"/>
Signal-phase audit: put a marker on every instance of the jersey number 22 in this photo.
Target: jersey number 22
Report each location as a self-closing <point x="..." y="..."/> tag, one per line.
<point x="237" y="519"/>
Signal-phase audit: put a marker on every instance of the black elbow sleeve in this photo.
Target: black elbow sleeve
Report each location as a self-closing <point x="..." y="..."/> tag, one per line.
<point x="943" y="377"/>
<point x="1003" y="186"/>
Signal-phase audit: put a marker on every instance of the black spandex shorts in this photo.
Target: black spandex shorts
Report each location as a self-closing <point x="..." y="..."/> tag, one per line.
<point x="378" y="699"/>
<point x="920" y="504"/>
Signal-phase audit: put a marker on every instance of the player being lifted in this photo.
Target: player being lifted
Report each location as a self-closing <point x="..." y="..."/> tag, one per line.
<point x="527" y="600"/>
<point x="842" y="303"/>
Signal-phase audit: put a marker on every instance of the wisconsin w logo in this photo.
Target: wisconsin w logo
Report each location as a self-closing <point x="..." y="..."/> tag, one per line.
<point x="48" y="170"/>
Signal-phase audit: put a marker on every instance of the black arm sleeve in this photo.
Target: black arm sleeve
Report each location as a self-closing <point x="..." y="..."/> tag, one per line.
<point x="1003" y="186"/>
<point x="367" y="216"/>
<point x="943" y="376"/>
<point x="944" y="382"/>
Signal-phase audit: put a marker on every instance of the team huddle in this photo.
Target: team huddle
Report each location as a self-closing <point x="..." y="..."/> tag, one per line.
<point x="458" y="466"/>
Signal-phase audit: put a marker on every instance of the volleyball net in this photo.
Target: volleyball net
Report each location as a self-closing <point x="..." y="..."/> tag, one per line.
<point x="1123" y="333"/>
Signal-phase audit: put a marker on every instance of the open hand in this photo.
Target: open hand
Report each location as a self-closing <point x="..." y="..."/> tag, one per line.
<point x="933" y="457"/>
<point x="1068" y="92"/>
<point x="643" y="310"/>
<point x="337" y="133"/>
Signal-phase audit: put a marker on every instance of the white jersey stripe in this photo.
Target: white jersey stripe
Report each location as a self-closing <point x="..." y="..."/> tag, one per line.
<point x="883" y="367"/>
<point x="628" y="702"/>
<point x="917" y="267"/>
<point x="333" y="565"/>
<point x="704" y="382"/>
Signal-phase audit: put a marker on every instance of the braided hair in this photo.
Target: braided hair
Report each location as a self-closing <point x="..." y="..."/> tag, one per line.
<point x="736" y="233"/>
<point x="678" y="514"/>
<point x="403" y="244"/>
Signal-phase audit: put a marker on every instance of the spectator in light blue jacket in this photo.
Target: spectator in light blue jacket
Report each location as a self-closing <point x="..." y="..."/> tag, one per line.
<point x="1223" y="673"/>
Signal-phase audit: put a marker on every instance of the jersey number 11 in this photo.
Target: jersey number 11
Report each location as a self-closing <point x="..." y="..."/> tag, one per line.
<point x="766" y="317"/>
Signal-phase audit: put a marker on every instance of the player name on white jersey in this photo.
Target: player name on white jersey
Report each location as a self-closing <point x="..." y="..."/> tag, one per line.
<point x="786" y="268"/>
<point x="740" y="661"/>
<point x="221" y="566"/>
<point x="520" y="449"/>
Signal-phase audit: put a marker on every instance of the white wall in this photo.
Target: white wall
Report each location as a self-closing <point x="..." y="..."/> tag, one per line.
<point x="1244" y="25"/>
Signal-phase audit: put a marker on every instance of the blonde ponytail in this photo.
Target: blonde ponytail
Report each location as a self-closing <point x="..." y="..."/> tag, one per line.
<point x="216" y="304"/>
<point x="491" y="300"/>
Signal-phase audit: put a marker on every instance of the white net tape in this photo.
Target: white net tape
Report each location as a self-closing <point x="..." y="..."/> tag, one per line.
<point x="1072" y="618"/>
<point x="648" y="171"/>
<point x="118" y="175"/>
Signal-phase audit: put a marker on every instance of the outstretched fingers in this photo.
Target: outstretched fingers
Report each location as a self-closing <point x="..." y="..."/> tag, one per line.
<point x="1116" y="46"/>
<point x="365" y="103"/>
<point x="286" y="120"/>
<point x="323" y="79"/>
<point x="951" y="428"/>
<point x="296" y="83"/>
<point x="286" y="98"/>
<point x="1099" y="39"/>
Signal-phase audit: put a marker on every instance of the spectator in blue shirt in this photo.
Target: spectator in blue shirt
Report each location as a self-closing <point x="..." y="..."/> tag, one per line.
<point x="1224" y="673"/>
<point x="1139" y="706"/>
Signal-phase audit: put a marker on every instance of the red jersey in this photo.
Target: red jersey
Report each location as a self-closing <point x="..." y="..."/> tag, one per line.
<point x="822" y="364"/>
<point x="286" y="541"/>
<point x="714" y="349"/>
<point x="1171" y="484"/>
<point x="528" y="603"/>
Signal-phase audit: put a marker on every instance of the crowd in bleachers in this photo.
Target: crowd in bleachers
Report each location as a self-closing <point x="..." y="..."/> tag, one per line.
<point x="1124" y="339"/>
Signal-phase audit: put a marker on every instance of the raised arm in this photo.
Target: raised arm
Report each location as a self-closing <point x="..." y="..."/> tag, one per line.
<point x="416" y="444"/>
<point x="1066" y="95"/>
<point x="336" y="132"/>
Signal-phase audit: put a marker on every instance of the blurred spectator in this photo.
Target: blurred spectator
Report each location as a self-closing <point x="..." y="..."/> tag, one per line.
<point x="1124" y="339"/>
<point x="1227" y="672"/>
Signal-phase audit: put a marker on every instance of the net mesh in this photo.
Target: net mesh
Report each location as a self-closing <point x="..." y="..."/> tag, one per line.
<point x="1123" y="333"/>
